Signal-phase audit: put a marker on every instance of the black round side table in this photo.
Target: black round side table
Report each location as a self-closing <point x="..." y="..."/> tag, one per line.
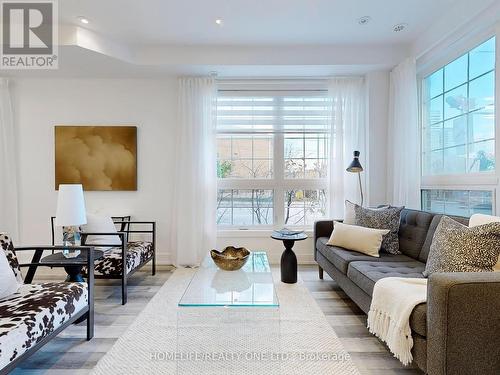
<point x="288" y="258"/>
<point x="74" y="271"/>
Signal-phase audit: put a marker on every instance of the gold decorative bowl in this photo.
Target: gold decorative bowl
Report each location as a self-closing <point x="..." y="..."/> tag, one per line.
<point x="231" y="258"/>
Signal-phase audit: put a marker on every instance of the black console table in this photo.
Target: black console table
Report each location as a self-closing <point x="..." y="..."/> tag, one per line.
<point x="72" y="266"/>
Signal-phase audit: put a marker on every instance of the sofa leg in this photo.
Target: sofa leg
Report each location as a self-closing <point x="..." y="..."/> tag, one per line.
<point x="90" y="324"/>
<point x="320" y="271"/>
<point x="153" y="266"/>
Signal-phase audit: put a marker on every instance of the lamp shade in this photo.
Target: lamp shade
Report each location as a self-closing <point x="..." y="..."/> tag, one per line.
<point x="70" y="206"/>
<point x="355" y="165"/>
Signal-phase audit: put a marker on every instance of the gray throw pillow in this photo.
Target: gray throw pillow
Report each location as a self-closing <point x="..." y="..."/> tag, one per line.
<point x="382" y="218"/>
<point x="458" y="248"/>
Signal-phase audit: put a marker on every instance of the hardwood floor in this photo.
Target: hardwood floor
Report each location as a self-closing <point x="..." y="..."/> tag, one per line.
<point x="70" y="353"/>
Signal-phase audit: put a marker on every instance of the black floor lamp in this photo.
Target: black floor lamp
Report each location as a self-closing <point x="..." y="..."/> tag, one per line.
<point x="355" y="167"/>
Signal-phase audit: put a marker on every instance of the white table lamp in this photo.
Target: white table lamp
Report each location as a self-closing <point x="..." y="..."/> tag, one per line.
<point x="70" y="215"/>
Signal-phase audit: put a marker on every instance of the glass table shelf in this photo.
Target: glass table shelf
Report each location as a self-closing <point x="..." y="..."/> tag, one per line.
<point x="251" y="286"/>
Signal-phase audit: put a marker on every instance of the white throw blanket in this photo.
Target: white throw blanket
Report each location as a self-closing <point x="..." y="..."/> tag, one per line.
<point x="394" y="299"/>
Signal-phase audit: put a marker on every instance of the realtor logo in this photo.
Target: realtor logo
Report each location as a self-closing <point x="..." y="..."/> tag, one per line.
<point x="29" y="34"/>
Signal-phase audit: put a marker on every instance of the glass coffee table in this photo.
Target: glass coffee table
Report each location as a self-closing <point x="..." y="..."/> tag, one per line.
<point x="232" y="312"/>
<point x="251" y="286"/>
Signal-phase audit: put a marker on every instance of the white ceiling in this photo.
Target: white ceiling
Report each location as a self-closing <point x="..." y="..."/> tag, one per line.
<point x="278" y="38"/>
<point x="255" y="22"/>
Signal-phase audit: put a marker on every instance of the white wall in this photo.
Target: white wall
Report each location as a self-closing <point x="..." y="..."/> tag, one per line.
<point x="39" y="104"/>
<point x="462" y="21"/>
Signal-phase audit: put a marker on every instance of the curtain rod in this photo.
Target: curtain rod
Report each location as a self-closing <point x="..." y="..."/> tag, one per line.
<point x="285" y="78"/>
<point x="273" y="90"/>
<point x="272" y="79"/>
<point x="282" y="80"/>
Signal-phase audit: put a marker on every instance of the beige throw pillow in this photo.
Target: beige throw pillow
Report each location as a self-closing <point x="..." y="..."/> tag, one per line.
<point x="356" y="238"/>
<point x="481" y="219"/>
<point x="349" y="213"/>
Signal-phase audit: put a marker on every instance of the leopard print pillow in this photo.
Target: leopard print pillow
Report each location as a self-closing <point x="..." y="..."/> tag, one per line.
<point x="458" y="248"/>
<point x="382" y="218"/>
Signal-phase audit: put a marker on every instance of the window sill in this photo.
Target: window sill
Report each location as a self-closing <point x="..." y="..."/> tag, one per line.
<point x="249" y="233"/>
<point x="468" y="181"/>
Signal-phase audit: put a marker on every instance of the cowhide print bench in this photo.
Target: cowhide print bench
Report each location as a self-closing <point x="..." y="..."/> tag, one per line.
<point x="36" y="313"/>
<point x="136" y="253"/>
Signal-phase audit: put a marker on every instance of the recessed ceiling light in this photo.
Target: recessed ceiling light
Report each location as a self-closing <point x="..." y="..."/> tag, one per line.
<point x="364" y="20"/>
<point x="218" y="21"/>
<point x="399" y="27"/>
<point x="83" y="20"/>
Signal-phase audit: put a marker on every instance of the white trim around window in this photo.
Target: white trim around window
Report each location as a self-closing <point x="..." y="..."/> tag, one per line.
<point x="485" y="179"/>
<point x="442" y="56"/>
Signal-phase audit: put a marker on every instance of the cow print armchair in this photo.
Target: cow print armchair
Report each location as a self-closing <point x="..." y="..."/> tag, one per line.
<point x="136" y="252"/>
<point x="37" y="312"/>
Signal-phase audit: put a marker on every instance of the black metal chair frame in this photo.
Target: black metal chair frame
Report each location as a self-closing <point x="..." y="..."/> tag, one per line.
<point x="123" y="233"/>
<point x="86" y="313"/>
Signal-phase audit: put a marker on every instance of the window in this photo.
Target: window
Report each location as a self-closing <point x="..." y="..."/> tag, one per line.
<point x="459" y="115"/>
<point x="244" y="207"/>
<point x="272" y="158"/>
<point x="457" y="202"/>
<point x="458" y="134"/>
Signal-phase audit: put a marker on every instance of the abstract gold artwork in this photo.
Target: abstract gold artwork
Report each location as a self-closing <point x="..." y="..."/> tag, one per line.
<point x="98" y="157"/>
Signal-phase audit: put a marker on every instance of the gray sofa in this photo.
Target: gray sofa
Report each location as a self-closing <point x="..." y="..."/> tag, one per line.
<point x="458" y="330"/>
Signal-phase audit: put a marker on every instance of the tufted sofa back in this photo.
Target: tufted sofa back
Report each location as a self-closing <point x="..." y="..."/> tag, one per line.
<point x="8" y="248"/>
<point x="416" y="231"/>
<point x="413" y="230"/>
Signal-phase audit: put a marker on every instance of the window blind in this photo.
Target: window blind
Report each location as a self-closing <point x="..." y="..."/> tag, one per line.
<point x="273" y="112"/>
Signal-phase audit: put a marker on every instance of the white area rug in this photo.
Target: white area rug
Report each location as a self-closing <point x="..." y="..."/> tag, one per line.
<point x="167" y="339"/>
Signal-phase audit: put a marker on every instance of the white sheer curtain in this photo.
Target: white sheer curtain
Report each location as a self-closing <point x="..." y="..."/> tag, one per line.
<point x="347" y="135"/>
<point x="195" y="193"/>
<point x="9" y="215"/>
<point x="403" y="153"/>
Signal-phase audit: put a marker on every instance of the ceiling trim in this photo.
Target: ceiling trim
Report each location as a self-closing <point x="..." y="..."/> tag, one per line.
<point x="383" y="56"/>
